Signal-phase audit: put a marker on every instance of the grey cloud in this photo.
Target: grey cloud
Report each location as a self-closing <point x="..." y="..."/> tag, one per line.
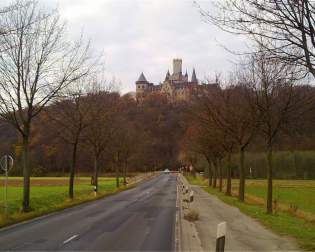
<point x="145" y="35"/>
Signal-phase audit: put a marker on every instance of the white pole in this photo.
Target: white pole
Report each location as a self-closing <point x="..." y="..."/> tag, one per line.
<point x="191" y="196"/>
<point x="220" y="242"/>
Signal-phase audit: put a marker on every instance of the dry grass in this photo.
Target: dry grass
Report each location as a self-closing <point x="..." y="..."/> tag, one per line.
<point x="292" y="196"/>
<point x="191" y="215"/>
<point x="48" y="181"/>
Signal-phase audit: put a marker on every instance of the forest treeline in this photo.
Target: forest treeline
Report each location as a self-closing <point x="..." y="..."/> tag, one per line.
<point x="153" y="135"/>
<point x="140" y="137"/>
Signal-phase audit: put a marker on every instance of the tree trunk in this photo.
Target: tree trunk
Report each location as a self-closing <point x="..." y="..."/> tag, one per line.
<point x="125" y="173"/>
<point x="210" y="175"/>
<point x="296" y="168"/>
<point x="26" y="174"/>
<point x="220" y="176"/>
<point x="214" y="183"/>
<point x="269" y="179"/>
<point x="241" y="193"/>
<point x="229" y="176"/>
<point x="210" y="172"/>
<point x="117" y="176"/>
<point x="96" y="173"/>
<point x="72" y="170"/>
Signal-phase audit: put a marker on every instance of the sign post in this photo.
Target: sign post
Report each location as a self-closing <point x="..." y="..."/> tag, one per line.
<point x="6" y="164"/>
<point x="220" y="242"/>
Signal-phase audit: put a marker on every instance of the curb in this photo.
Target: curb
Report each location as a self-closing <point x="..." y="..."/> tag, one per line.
<point x="178" y="224"/>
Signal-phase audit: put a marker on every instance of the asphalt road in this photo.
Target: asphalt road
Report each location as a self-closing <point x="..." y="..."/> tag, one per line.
<point x="140" y="219"/>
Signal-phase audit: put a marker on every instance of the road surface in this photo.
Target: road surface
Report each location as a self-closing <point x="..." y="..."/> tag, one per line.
<point x="138" y="219"/>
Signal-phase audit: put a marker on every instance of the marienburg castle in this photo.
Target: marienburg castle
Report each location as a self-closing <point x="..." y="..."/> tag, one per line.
<point x="176" y="86"/>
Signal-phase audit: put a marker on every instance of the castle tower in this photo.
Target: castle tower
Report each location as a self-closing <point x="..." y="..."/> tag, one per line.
<point x="177" y="70"/>
<point x="177" y="66"/>
<point x="141" y="86"/>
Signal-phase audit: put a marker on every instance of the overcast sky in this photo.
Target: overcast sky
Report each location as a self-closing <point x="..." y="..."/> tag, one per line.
<point x="145" y="35"/>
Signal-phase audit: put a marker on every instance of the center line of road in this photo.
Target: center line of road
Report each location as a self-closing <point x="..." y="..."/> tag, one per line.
<point x="70" y="239"/>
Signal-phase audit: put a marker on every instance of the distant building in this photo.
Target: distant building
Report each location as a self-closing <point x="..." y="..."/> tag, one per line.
<point x="176" y="86"/>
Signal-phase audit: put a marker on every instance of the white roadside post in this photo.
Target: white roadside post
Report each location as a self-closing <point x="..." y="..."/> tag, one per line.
<point x="221" y="232"/>
<point x="6" y="164"/>
<point x="191" y="196"/>
<point x="190" y="199"/>
<point x="186" y="189"/>
<point x="94" y="190"/>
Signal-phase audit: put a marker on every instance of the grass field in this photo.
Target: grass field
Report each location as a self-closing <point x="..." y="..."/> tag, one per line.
<point x="298" y="223"/>
<point x="48" y="194"/>
<point x="299" y="193"/>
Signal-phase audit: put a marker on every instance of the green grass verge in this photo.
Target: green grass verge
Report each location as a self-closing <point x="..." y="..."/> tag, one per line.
<point x="47" y="199"/>
<point x="282" y="222"/>
<point x="298" y="192"/>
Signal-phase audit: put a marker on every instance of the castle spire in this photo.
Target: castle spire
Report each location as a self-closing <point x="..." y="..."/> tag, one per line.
<point x="186" y="74"/>
<point x="194" y="77"/>
<point x="167" y="77"/>
<point x="142" y="78"/>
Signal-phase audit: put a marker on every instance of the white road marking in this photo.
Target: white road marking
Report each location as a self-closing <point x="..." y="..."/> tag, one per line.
<point x="70" y="239"/>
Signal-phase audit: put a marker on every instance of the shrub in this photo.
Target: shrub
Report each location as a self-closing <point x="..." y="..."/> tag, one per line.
<point x="293" y="208"/>
<point x="192" y="215"/>
<point x="38" y="171"/>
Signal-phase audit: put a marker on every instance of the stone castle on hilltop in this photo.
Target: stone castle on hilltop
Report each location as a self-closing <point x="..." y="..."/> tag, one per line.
<point x="176" y="86"/>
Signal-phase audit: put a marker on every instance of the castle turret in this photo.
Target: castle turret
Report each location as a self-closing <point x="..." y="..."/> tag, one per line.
<point x="141" y="85"/>
<point x="194" y="77"/>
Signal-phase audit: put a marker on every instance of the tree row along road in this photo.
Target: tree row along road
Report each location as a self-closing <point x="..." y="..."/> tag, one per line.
<point x="142" y="218"/>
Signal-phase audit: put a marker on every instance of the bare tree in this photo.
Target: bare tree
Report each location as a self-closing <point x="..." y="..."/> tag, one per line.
<point x="226" y="142"/>
<point x="36" y="62"/>
<point x="234" y="117"/>
<point x="5" y="10"/>
<point x="276" y="100"/>
<point x="69" y="118"/>
<point x="228" y="146"/>
<point x="125" y="138"/>
<point x="102" y="111"/>
<point x="201" y="140"/>
<point x="211" y="141"/>
<point x="283" y="28"/>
